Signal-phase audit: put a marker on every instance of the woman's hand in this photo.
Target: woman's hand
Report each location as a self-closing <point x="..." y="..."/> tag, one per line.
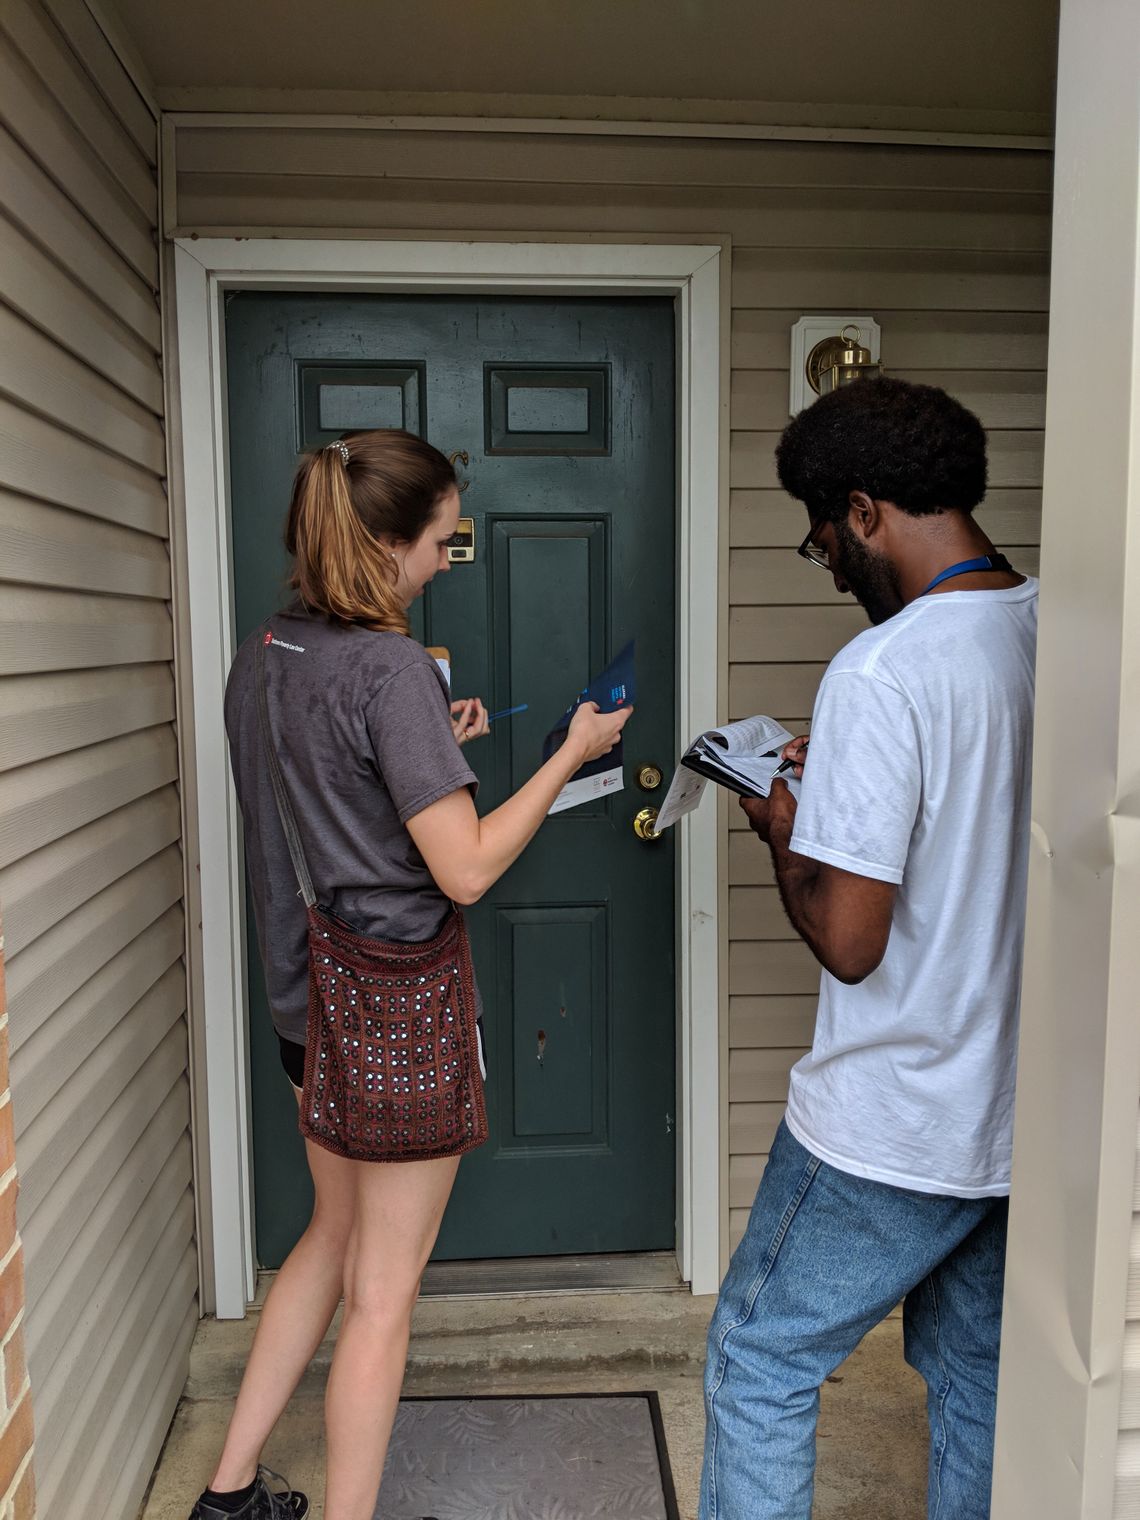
<point x="596" y="732"/>
<point x="469" y="720"/>
<point x="466" y="854"/>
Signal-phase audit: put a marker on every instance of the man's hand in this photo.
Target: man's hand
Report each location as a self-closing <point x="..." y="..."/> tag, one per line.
<point x="796" y="752"/>
<point x="772" y="817"/>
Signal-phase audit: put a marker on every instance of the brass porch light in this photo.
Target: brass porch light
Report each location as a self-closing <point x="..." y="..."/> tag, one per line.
<point x="839" y="361"/>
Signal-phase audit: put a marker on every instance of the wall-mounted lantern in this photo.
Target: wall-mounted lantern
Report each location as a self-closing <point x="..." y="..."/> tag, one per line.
<point x="828" y="352"/>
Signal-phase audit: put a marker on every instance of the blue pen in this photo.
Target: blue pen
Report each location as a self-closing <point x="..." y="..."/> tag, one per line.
<point x="508" y="712"/>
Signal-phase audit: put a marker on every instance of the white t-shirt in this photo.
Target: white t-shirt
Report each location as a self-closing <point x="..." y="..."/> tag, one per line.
<point x="918" y="773"/>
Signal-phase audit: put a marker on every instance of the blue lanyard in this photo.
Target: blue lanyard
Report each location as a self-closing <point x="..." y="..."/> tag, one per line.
<point x="963" y="567"/>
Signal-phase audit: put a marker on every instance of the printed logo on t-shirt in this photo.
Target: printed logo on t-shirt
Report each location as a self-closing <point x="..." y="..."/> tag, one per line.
<point x="283" y="644"/>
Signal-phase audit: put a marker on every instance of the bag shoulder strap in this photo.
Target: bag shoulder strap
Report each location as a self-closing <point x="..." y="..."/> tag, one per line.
<point x="281" y="796"/>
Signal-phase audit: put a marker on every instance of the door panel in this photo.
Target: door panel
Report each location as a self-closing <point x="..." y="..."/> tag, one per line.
<point x="567" y="1102"/>
<point x="527" y="559"/>
<point x="565" y="411"/>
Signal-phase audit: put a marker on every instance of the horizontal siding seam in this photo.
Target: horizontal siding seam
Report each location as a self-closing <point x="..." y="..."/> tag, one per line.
<point x="659" y="135"/>
<point x="168" y="1251"/>
<point x="11" y="216"/>
<point x="20" y="399"/>
<point x="62" y="1305"/>
<point x="39" y="1229"/>
<point x="138" y="120"/>
<point x="134" y="369"/>
<point x="107" y="187"/>
<point x="42" y="42"/>
<point x="127" y="1395"/>
<point x="169" y="1120"/>
<point x="133" y="1475"/>
<point x="48" y="217"/>
<point x="158" y="598"/>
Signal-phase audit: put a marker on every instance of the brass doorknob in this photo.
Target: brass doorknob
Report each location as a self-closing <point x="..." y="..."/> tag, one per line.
<point x="644" y="825"/>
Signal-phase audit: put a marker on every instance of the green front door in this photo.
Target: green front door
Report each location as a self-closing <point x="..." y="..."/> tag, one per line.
<point x="564" y="411"/>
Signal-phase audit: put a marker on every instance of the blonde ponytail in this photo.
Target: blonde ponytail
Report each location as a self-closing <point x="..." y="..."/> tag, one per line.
<point x="345" y="496"/>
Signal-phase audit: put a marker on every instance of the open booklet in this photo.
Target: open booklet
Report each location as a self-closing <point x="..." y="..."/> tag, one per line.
<point x="741" y="756"/>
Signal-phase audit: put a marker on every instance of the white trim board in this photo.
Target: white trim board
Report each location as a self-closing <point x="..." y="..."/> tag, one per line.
<point x="204" y="269"/>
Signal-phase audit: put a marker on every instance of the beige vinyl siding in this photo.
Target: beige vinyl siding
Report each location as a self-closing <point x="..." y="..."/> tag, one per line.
<point x="1127" y="1500"/>
<point x="91" y="877"/>
<point x="947" y="248"/>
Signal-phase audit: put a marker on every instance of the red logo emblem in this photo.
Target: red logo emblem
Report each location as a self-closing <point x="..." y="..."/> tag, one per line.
<point x="269" y="638"/>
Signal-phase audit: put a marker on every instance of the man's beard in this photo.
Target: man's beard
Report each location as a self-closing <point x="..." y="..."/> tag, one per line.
<point x="871" y="578"/>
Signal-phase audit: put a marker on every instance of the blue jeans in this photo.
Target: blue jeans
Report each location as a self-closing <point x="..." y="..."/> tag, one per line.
<point x="825" y="1257"/>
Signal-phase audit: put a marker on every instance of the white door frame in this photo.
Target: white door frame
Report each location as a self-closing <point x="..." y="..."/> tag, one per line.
<point x="204" y="270"/>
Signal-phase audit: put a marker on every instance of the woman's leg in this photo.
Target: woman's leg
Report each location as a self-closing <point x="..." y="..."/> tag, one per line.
<point x="399" y="1207"/>
<point x="297" y="1312"/>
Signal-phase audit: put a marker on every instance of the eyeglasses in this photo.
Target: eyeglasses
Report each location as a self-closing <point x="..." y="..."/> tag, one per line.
<point x="812" y="552"/>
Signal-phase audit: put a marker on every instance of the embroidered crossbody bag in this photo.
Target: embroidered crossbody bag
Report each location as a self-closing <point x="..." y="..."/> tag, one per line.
<point x="392" y="1052"/>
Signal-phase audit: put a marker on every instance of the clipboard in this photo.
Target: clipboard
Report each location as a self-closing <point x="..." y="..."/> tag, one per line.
<point x="712" y="773"/>
<point x="442" y="657"/>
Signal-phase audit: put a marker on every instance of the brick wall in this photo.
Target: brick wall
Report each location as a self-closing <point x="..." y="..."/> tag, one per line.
<point x="17" y="1482"/>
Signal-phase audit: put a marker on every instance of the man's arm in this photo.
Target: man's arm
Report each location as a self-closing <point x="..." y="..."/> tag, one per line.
<point x="844" y="919"/>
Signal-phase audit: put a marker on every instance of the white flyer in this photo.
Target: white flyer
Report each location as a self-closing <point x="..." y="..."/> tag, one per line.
<point x="685" y="791"/>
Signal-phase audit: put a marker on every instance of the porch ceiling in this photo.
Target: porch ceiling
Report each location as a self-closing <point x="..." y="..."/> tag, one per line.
<point x="943" y="64"/>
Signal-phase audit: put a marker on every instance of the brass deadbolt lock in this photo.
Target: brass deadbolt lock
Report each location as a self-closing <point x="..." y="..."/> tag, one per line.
<point x="649" y="778"/>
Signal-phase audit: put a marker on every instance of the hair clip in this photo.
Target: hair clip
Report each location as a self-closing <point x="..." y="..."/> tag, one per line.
<point x="342" y="449"/>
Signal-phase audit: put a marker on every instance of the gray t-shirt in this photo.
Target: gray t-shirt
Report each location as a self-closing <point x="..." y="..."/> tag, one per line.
<point x="363" y="735"/>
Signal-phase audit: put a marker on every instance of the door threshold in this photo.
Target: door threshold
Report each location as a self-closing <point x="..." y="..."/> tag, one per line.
<point x="528" y="1276"/>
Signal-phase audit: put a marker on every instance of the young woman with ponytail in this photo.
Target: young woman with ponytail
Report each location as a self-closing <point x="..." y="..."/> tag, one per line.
<point x="369" y="753"/>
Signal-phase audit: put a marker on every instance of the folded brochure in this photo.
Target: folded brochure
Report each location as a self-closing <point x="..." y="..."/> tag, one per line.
<point x="741" y="756"/>
<point x="614" y="688"/>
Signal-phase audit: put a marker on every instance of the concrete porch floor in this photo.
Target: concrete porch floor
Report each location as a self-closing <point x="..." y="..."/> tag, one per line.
<point x="872" y="1434"/>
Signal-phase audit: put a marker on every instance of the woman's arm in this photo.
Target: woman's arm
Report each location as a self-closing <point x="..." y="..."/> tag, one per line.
<point x="467" y="854"/>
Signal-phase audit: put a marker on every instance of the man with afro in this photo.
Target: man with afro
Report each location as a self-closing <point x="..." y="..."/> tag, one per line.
<point x="903" y="868"/>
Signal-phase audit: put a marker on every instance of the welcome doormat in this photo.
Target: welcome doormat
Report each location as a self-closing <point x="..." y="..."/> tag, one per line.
<point x="554" y="1457"/>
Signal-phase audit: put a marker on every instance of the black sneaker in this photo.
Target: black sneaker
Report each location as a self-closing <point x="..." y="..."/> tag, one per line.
<point x="265" y="1504"/>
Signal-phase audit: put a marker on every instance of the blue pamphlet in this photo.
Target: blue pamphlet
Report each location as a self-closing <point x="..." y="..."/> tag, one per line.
<point x="615" y="687"/>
